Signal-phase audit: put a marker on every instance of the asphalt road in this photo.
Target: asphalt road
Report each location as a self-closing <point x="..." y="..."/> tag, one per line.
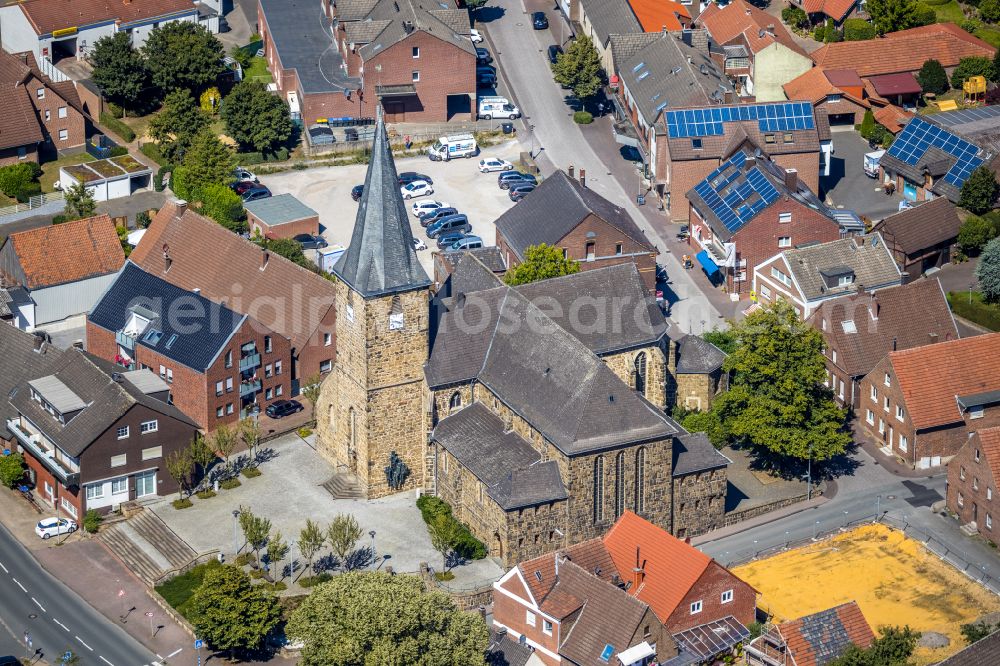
<point x="55" y="618"/>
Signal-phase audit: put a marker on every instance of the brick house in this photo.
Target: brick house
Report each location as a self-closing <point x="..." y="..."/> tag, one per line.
<point x="810" y="275"/>
<point x="927" y="400"/>
<point x="92" y="438"/>
<point x="749" y="208"/>
<point x="562" y="212"/>
<point x="281" y="216"/>
<point x="195" y="254"/>
<point x="860" y="329"/>
<point x="813" y="640"/>
<point x="839" y="93"/>
<point x="921" y="237"/>
<point x="819" y="11"/>
<point x="221" y="365"/>
<point x="697" y="141"/>
<point x="972" y="479"/>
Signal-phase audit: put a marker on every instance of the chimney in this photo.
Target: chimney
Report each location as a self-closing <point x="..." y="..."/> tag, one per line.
<point x="638" y="573"/>
<point x="792" y="180"/>
<point x="747" y="11"/>
<point x="572" y="169"/>
<point x="556" y="562"/>
<point x="126" y="2"/>
<point x="181" y="206"/>
<point x="770" y="29"/>
<point x="894" y="343"/>
<point x="663" y="30"/>
<point x="933" y="337"/>
<point x="729" y="97"/>
<point x="166" y="258"/>
<point x="699" y="39"/>
<point x="38" y="342"/>
<point x="197" y="290"/>
<point x="583" y="177"/>
<point x="265" y="256"/>
<point x="874" y="307"/>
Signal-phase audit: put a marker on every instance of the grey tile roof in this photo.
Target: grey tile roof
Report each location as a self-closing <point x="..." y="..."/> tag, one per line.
<point x="610" y="17"/>
<point x="279" y="209"/>
<point x="176" y="311"/>
<point x="470" y="274"/>
<point x="363" y="32"/>
<point x="867" y="257"/>
<point x="405" y="16"/>
<point x="5" y="301"/>
<point x="985" y="651"/>
<point x="695" y="356"/>
<point x="921" y="226"/>
<point x="624" y="47"/>
<point x="694" y="453"/>
<point x="504" y="651"/>
<point x="511" y="470"/>
<point x="380" y="259"/>
<point x="19" y="362"/>
<point x="555" y="208"/>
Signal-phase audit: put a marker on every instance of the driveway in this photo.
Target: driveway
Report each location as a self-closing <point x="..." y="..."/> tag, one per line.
<point x="847" y="186"/>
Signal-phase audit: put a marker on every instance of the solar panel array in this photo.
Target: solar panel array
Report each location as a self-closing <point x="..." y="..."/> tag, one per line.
<point x="735" y="201"/>
<point x="776" y="117"/>
<point x="919" y="135"/>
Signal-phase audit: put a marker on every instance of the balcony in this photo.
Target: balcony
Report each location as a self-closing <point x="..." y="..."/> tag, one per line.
<point x="125" y="339"/>
<point x="34" y="443"/>
<point x="249" y="362"/>
<point x="249" y="388"/>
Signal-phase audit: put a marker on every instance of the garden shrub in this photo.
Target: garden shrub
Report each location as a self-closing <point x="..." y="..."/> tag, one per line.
<point x="794" y="16"/>
<point x="15" y="177"/>
<point x="92" y="521"/>
<point x="229" y="484"/>
<point x="971" y="66"/>
<point x="465" y="545"/>
<point x="153" y="152"/>
<point x="250" y="472"/>
<point x="311" y="581"/>
<point x="222" y="204"/>
<point x="158" y="183"/>
<point x="583" y="117"/>
<point x="856" y="30"/>
<point x="208" y="493"/>
<point x="115" y="110"/>
<point x="182" y="503"/>
<point x="245" y="159"/>
<point x="118" y="127"/>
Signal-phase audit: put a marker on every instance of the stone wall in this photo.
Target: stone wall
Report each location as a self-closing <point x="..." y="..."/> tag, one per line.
<point x="699" y="502"/>
<point x="623" y="365"/>
<point x="698" y="391"/>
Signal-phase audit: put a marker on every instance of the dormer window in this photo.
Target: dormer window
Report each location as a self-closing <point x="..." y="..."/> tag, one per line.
<point x="152" y="337"/>
<point x="845" y="280"/>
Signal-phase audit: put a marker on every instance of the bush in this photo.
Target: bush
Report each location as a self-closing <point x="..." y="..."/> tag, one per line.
<point x="989" y="11"/>
<point x="856" y="29"/>
<point x="312" y="581"/>
<point x="281" y="155"/>
<point x="208" y="493"/>
<point x="229" y="484"/>
<point x="118" y="127"/>
<point x="465" y="545"/>
<point x="62" y="217"/>
<point x="243" y="559"/>
<point x="978" y="311"/>
<point x="819" y="33"/>
<point x="27" y="190"/>
<point x="444" y="575"/>
<point x="924" y="15"/>
<point x="16" y="177"/>
<point x="179" y="589"/>
<point x="153" y="152"/>
<point x="115" y="110"/>
<point x="251" y="472"/>
<point x="975" y="233"/>
<point x="867" y="125"/>
<point x="223" y="205"/>
<point x="118" y="151"/>
<point x="256" y="574"/>
<point x="972" y="66"/>
<point x="932" y="77"/>
<point x="158" y="177"/>
<point x="794" y="17"/>
<point x="182" y="503"/>
<point x="91" y="521"/>
<point x="143" y="219"/>
<point x="583" y="117"/>
<point x="304" y="432"/>
<point x="245" y="159"/>
<point x="971" y="25"/>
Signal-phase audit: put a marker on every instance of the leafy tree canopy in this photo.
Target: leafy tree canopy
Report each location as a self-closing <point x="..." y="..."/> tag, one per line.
<point x="183" y="55"/>
<point x="119" y="70"/>
<point x="177" y="123"/>
<point x="11" y="469"/>
<point x="892" y="648"/>
<point x="988" y="271"/>
<point x="230" y="613"/>
<point x="208" y="161"/>
<point x="377" y="619"/>
<point x="579" y="68"/>
<point x="540" y="263"/>
<point x="856" y="29"/>
<point x="979" y="191"/>
<point x="255" y="118"/>
<point x="932" y="77"/>
<point x="975" y="233"/>
<point x="892" y="15"/>
<point x="972" y="66"/>
<point x="79" y="202"/>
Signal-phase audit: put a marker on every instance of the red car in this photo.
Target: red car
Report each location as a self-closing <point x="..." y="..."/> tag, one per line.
<point x="243" y="186"/>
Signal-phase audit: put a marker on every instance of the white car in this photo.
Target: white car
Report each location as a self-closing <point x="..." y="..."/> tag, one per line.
<point x="50" y="527"/>
<point x="421" y="208"/>
<point x="475" y="36"/>
<point x="419" y="244"/>
<point x="244" y="176"/>
<point x="418" y="188"/>
<point x="494" y="164"/>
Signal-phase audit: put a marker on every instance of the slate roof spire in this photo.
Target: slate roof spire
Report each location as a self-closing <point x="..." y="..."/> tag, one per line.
<point x="380" y="259"/>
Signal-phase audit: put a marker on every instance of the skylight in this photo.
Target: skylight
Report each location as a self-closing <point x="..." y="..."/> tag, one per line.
<point x="644" y="75"/>
<point x="638" y="67"/>
<point x="152" y="337"/>
<point x="171" y="341"/>
<point x="849" y="326"/>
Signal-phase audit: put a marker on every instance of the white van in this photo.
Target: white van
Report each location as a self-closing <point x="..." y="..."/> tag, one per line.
<point x="450" y="147"/>
<point x="497" y="107"/>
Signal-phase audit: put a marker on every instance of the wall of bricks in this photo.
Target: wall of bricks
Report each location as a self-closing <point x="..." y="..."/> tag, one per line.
<point x="309" y="225"/>
<point x="971" y="480"/>
<point x="73" y="122"/>
<point x="713" y="582"/>
<point x="624" y="366"/>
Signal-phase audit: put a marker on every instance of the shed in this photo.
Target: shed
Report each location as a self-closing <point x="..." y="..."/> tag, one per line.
<point x="112" y="178"/>
<point x="281" y="216"/>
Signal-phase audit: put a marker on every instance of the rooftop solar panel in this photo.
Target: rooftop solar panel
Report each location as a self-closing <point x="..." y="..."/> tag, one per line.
<point x="920" y="135"/>
<point x="771" y="117"/>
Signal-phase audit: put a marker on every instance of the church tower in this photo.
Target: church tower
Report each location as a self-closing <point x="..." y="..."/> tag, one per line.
<point x="371" y="404"/>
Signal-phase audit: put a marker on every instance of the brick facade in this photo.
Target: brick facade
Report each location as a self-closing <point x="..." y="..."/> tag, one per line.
<point x="972" y="488"/>
<point x="712" y="583"/>
<point x="55" y="116"/>
<point x="625" y="365"/>
<point x="308" y="225"/>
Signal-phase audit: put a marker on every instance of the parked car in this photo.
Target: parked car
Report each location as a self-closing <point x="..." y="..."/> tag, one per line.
<point x="243" y="175"/>
<point x="485" y="69"/>
<point x="486" y="79"/>
<point x="430" y="218"/>
<point x="351" y="134"/>
<point x="466" y="243"/>
<point x="281" y="408"/>
<point x="457" y="222"/>
<point x="494" y="164"/>
<point x="517" y="192"/>
<point x="516" y="178"/>
<point x="475" y="36"/>
<point x="244" y="185"/>
<point x="554" y="52"/>
<point x="419" y="244"/>
<point x="310" y="242"/>
<point x="428" y="206"/>
<point x="357" y="191"/>
<point x="483" y="56"/>
<point x="418" y="188"/>
<point x="256" y="194"/>
<point x="50" y="527"/>
<point x="408" y="177"/>
<point x="448" y="238"/>
<point x="538" y="21"/>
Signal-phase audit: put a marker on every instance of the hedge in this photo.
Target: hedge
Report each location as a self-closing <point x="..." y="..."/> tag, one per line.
<point x="118" y="127"/>
<point x="247" y="159"/>
<point x="978" y="312"/>
<point x="466" y="545"/>
<point x="158" y="178"/>
<point x="153" y="152"/>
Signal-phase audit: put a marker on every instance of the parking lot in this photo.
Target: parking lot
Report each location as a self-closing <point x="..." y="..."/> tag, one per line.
<point x="327" y="190"/>
<point x="847" y="186"/>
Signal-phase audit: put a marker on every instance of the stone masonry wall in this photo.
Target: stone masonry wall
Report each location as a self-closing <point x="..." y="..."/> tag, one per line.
<point x="699" y="502"/>
<point x="623" y="365"/>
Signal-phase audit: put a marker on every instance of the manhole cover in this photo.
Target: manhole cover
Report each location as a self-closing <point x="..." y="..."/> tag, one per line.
<point x="890" y="497"/>
<point x="32" y="616"/>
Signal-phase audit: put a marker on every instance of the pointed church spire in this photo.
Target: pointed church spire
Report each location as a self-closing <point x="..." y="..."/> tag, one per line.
<point x="380" y="259"/>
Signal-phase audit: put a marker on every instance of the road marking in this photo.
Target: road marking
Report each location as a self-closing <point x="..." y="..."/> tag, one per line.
<point x="83" y="644"/>
<point x="19" y="585"/>
<point x="172" y="653"/>
<point x="60" y="624"/>
<point x="3" y="567"/>
<point x="38" y="604"/>
<point x="106" y="661"/>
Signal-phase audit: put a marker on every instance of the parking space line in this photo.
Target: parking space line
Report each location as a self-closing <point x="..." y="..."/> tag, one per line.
<point x="38" y="604"/>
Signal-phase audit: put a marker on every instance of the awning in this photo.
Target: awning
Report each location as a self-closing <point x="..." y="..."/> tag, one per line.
<point x="707" y="263"/>
<point x="402" y="90"/>
<point x="636" y="653"/>
<point x="708" y="640"/>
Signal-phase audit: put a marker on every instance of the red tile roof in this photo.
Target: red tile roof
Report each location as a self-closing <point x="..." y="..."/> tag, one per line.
<point x="48" y="15"/>
<point x="903" y="51"/>
<point x="812" y="640"/>
<point x="654" y="15"/>
<point x="68" y="252"/>
<point x="812" y="86"/>
<point x="892" y="117"/>
<point x="843" y="77"/>
<point x="903" y="83"/>
<point x="738" y="18"/>
<point x="931" y="377"/>
<point x="835" y="9"/>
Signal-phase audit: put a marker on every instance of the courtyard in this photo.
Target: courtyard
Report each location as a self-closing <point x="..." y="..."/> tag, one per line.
<point x="894" y="579"/>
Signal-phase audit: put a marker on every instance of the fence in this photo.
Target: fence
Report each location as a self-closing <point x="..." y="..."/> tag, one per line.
<point x="34" y="203"/>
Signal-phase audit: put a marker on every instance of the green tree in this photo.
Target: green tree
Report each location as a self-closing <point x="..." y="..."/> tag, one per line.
<point x="119" y="70"/>
<point x="832" y="33"/>
<point x="255" y="530"/>
<point x="208" y="161"/>
<point x="176" y="125"/>
<point x="286" y="247"/>
<point x="223" y="205"/>
<point x="223" y="441"/>
<point x="972" y="66"/>
<point x="311" y="540"/>
<point x="708" y="423"/>
<point x="988" y="271"/>
<point x="249" y="431"/>
<point x="183" y="55"/>
<point x="723" y="339"/>
<point x="442" y="532"/>
<point x="201" y="454"/>
<point x="932" y="77"/>
<point x="377" y="619"/>
<point x="979" y="191"/>
<point x="79" y="202"/>
<point x="230" y="613"/>
<point x="892" y="648"/>
<point x="794" y="16"/>
<point x="540" y="263"/>
<point x="892" y="15"/>
<point x="255" y="117"/>
<point x="777" y="401"/>
<point x="343" y="534"/>
<point x="179" y="467"/>
<point x="579" y="68"/>
<point x="925" y="15"/>
<point x="975" y="233"/>
<point x="989" y="11"/>
<point x="277" y="550"/>
<point x="210" y="101"/>
<point x="311" y="390"/>
<point x="856" y="30"/>
<point x="977" y="631"/>
<point x="867" y="125"/>
<point x="11" y="469"/>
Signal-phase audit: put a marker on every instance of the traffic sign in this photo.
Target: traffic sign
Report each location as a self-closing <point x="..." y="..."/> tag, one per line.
<point x="198" y="644"/>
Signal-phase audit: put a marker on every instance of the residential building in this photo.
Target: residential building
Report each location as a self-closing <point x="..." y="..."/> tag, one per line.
<point x="839" y="93"/>
<point x="811" y="274"/>
<point x="749" y="208"/>
<point x="900" y="89"/>
<point x="860" y="329"/>
<point x="281" y="216"/>
<point x="222" y="365"/>
<point x="921" y="237"/>
<point x="972" y="480"/>
<point x="984" y="651"/>
<point x="197" y="255"/>
<point x="759" y="52"/>
<point x="562" y="212"/>
<point x="55" y="29"/>
<point x="599" y="20"/>
<point x="813" y="640"/>
<point x="44" y="115"/>
<point x="927" y="400"/>
<point x="696" y="369"/>
<point x="92" y="438"/>
<point x="504" y="650"/>
<point x="445" y="264"/>
<point x="820" y="11"/>
<point x="700" y="140"/>
<point x="62" y="268"/>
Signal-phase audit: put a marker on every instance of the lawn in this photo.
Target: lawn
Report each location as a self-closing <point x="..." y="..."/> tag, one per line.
<point x="894" y="579"/>
<point x="258" y="68"/>
<point x="990" y="35"/>
<point x="50" y="170"/>
<point x="178" y="590"/>
<point x="949" y="12"/>
<point x="976" y="311"/>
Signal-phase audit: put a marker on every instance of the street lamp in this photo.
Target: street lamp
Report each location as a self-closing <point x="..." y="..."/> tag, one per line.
<point x="236" y="534"/>
<point x="815" y="530"/>
<point x="372" y="535"/>
<point x="809" y="474"/>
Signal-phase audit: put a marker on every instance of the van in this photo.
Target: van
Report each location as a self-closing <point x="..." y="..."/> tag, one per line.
<point x="497" y="107"/>
<point x="457" y="222"/>
<point x="449" y="147"/>
<point x="467" y="243"/>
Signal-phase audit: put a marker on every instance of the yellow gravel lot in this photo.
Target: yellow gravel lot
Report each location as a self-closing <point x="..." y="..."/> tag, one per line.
<point x="894" y="579"/>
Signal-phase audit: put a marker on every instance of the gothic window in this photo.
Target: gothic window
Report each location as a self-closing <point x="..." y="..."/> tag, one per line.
<point x="396" y="314"/>
<point x="619" y="485"/>
<point x="640" y="480"/>
<point x="456" y="400"/>
<point x="598" y="489"/>
<point x="353" y="431"/>
<point x="640" y="373"/>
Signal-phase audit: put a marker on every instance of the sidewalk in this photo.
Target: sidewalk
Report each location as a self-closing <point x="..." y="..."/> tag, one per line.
<point x="889" y="463"/>
<point x="770" y="517"/>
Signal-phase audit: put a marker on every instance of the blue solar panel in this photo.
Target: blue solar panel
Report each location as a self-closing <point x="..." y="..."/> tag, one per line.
<point x="771" y="117"/>
<point x="734" y="196"/>
<point x="919" y="135"/>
